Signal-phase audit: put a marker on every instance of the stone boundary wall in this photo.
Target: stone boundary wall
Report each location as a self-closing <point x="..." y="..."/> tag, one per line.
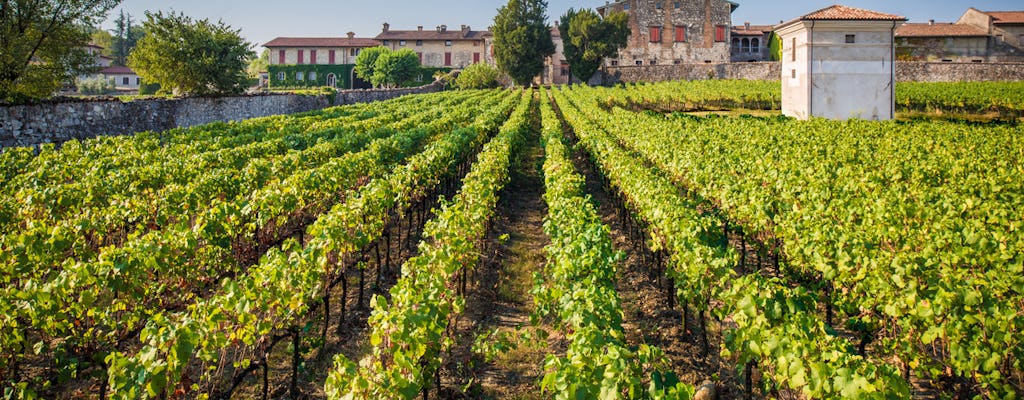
<point x="906" y="71"/>
<point x="58" y="122"/>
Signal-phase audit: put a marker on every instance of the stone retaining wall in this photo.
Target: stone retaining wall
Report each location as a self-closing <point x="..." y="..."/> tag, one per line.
<point x="906" y="71"/>
<point x="58" y="122"/>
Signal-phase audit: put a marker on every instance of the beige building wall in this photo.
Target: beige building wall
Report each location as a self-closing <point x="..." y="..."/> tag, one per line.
<point x="836" y="79"/>
<point x="432" y="52"/>
<point x="342" y="55"/>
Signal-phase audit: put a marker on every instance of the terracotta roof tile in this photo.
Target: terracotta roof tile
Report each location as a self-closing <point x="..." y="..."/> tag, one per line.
<point x="844" y="13"/>
<point x="939" y="30"/>
<point x="1006" y="17"/>
<point x="117" y="71"/>
<point x="432" y="34"/>
<point x="321" y="42"/>
<point x="754" y="30"/>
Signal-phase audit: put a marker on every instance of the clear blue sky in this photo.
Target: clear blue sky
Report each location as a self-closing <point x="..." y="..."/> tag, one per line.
<point x="261" y="20"/>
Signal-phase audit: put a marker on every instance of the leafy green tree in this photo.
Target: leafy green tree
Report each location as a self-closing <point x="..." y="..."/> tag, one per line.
<point x="42" y="45"/>
<point x="103" y="39"/>
<point x="588" y="40"/>
<point x="522" y="39"/>
<point x="189" y="57"/>
<point x="775" y="47"/>
<point x="396" y="68"/>
<point x="477" y="76"/>
<point x="259" y="64"/>
<point x="367" y="60"/>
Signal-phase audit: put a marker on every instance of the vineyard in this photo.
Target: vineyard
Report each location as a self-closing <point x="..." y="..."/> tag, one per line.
<point x="335" y="254"/>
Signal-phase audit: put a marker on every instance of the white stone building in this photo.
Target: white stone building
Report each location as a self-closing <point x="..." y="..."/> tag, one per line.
<point x="838" y="63"/>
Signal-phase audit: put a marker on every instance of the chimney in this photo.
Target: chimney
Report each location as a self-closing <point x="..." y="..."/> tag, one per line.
<point x="443" y="28"/>
<point x="746" y="25"/>
<point x="387" y="26"/>
<point x="419" y="27"/>
<point x="931" y="22"/>
<point x="351" y="35"/>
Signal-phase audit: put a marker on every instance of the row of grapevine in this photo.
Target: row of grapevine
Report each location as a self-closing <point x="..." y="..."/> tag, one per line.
<point x="577" y="289"/>
<point x="409" y="334"/>
<point x="911" y="231"/>
<point x="1005" y="98"/>
<point x="276" y="294"/>
<point x="776" y="326"/>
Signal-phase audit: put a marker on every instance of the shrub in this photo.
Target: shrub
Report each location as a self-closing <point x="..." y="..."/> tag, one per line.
<point x="477" y="76"/>
<point x="97" y="85"/>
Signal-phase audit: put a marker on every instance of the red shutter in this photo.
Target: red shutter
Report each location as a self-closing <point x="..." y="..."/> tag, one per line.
<point x="655" y="34"/>
<point x="312" y="56"/>
<point x="476" y="58"/>
<point x="720" y="33"/>
<point x="680" y="33"/>
<point x="420" y="56"/>
<point x="280" y="57"/>
<point x="330" y="57"/>
<point x="447" y="59"/>
<point x="300" y="56"/>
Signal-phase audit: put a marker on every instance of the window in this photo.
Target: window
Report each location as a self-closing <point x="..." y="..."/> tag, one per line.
<point x="654" y="62"/>
<point x="677" y="62"/>
<point x="658" y="5"/>
<point x="745" y="45"/>
<point x="735" y="45"/>
<point x="312" y="76"/>
<point x="312" y="56"/>
<point x="564" y="72"/>
<point x="655" y="34"/>
<point x="626" y="6"/>
<point x="125" y="80"/>
<point x="792" y="73"/>
<point x="755" y="45"/>
<point x="675" y="4"/>
<point x="281" y="76"/>
<point x="280" y="57"/>
<point x="851" y="38"/>
<point x="299" y="76"/>
<point x="476" y="58"/>
<point x="353" y="52"/>
<point x="401" y="43"/>
<point x="330" y="57"/>
<point x="138" y="81"/>
<point x="792" y="50"/>
<point x="386" y="42"/>
<point x="419" y="42"/>
<point x="1000" y="38"/>
<point x="615" y="63"/>
<point x="680" y="34"/>
<point x="447" y="59"/>
<point x="639" y="62"/>
<point x="420" y="56"/>
<point x="448" y="43"/>
<point x="720" y="33"/>
<point x="300" y="56"/>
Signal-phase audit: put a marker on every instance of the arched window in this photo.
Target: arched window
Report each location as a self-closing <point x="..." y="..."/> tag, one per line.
<point x="332" y="80"/>
<point x="755" y="45"/>
<point x="746" y="45"/>
<point x="735" y="45"/>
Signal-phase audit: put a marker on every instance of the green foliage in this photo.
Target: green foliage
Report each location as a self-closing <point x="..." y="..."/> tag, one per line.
<point x="477" y="76"/>
<point x="43" y="45"/>
<point x="147" y="88"/>
<point x="126" y="37"/>
<point x="96" y="85"/>
<point x="366" y="61"/>
<point x="775" y="47"/>
<point x="259" y="64"/>
<point x="342" y="74"/>
<point x="189" y="57"/>
<point x="396" y="68"/>
<point x="588" y="40"/>
<point x="522" y="39"/>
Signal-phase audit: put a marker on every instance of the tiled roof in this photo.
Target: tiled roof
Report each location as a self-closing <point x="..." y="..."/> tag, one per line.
<point x="1006" y="17"/>
<point x="939" y="30"/>
<point x="753" y="30"/>
<point x="117" y="71"/>
<point x="321" y="42"/>
<point x="432" y="34"/>
<point x="844" y="13"/>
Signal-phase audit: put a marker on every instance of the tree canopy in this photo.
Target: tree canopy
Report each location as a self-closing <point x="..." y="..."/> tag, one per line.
<point x="367" y="60"/>
<point x="43" y="45"/>
<point x="383" y="67"/>
<point x="477" y="76"/>
<point x="522" y="39"/>
<point x="588" y="40"/>
<point x="189" y="57"/>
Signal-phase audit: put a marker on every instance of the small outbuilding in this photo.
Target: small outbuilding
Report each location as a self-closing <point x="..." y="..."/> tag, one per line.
<point x="838" y="63"/>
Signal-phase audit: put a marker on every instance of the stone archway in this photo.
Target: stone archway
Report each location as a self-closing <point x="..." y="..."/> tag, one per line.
<point x="332" y="80"/>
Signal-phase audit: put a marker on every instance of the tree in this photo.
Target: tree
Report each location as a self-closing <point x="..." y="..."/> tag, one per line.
<point x="103" y="39"/>
<point x="477" y="76"/>
<point x="395" y="68"/>
<point x="126" y="37"/>
<point x="588" y="40"/>
<point x="522" y="39"/>
<point x="42" y="44"/>
<point x="775" y="47"/>
<point x="259" y="64"/>
<point x="191" y="57"/>
<point x="366" y="60"/>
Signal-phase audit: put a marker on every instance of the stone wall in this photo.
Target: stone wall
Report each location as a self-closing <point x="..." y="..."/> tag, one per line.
<point x="57" y="122"/>
<point x="909" y="71"/>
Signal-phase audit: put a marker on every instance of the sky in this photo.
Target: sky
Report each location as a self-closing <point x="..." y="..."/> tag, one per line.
<point x="261" y="21"/>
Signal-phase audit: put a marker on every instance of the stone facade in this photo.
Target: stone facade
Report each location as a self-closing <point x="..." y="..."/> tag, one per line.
<point x="674" y="32"/>
<point x="750" y="42"/>
<point x="978" y="36"/>
<point x="297" y="62"/>
<point x="58" y="122"/>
